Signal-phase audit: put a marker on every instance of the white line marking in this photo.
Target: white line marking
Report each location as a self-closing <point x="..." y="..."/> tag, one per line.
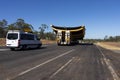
<point x="102" y="61"/>
<point x="114" y="74"/>
<point x="45" y="62"/>
<point x="28" y="70"/>
<point x="44" y="45"/>
<point x="61" y="68"/>
<point x="79" y="59"/>
<point x="4" y="49"/>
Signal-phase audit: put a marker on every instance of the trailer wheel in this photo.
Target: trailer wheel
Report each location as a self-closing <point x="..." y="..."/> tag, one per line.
<point x="59" y="44"/>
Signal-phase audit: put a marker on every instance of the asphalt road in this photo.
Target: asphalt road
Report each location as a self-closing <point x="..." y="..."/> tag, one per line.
<point x="52" y="62"/>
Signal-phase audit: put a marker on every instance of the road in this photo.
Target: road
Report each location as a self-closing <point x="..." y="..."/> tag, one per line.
<point x="52" y="62"/>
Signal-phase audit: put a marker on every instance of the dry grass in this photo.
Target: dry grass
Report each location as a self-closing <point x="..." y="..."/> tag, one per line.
<point x="2" y="41"/>
<point x="47" y="41"/>
<point x="110" y="45"/>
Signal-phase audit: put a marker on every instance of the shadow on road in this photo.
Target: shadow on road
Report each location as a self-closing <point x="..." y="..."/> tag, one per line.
<point x="85" y="43"/>
<point x="74" y="44"/>
<point x="28" y="49"/>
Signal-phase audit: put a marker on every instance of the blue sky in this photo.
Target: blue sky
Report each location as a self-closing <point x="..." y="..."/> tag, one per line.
<point x="100" y="17"/>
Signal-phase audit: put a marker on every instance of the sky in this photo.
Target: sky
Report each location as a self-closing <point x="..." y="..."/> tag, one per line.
<point x="100" y="17"/>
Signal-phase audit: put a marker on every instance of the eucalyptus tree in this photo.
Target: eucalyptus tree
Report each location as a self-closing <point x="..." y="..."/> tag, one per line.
<point x="3" y="25"/>
<point x="42" y="30"/>
<point x="20" y="24"/>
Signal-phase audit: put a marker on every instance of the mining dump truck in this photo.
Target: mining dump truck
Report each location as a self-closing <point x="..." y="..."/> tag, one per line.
<point x="68" y="35"/>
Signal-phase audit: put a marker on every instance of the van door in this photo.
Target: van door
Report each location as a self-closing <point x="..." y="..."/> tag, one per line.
<point x="12" y="40"/>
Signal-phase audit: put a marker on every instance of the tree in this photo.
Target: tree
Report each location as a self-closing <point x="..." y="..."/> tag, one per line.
<point x="111" y="38"/>
<point x="42" y="30"/>
<point x="3" y="25"/>
<point x="12" y="27"/>
<point x="117" y="38"/>
<point x="105" y="38"/>
<point x="21" y="25"/>
<point x="1" y="32"/>
<point x="50" y="36"/>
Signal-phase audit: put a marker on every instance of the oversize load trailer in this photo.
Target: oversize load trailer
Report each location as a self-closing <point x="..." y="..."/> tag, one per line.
<point x="68" y="35"/>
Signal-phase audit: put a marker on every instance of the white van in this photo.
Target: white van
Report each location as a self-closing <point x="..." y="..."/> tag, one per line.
<point x="16" y="39"/>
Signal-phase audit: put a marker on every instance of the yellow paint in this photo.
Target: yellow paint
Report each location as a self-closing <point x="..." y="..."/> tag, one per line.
<point x="69" y="30"/>
<point x="27" y="30"/>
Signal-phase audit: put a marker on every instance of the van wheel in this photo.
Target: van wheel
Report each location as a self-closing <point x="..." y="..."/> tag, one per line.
<point x="12" y="49"/>
<point x="39" y="46"/>
<point x="24" y="47"/>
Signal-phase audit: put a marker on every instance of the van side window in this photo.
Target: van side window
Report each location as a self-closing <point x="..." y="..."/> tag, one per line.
<point x="23" y="37"/>
<point x="26" y="37"/>
<point x="30" y="37"/>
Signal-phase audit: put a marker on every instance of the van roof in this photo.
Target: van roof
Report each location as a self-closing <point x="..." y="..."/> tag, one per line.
<point x="15" y="31"/>
<point x="19" y="31"/>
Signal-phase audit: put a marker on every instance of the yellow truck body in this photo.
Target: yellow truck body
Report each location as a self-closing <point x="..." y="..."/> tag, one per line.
<point x="68" y="35"/>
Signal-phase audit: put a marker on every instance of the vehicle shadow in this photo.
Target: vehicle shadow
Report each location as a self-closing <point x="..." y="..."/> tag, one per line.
<point x="86" y="44"/>
<point x="29" y="49"/>
<point x="75" y="44"/>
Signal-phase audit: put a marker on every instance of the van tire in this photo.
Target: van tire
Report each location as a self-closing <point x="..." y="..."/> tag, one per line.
<point x="39" y="46"/>
<point x="24" y="47"/>
<point x="12" y="49"/>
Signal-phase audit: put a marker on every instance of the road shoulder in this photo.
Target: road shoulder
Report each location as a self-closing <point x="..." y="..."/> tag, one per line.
<point x="112" y="47"/>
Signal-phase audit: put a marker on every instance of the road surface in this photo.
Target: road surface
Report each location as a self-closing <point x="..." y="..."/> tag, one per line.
<point x="52" y="62"/>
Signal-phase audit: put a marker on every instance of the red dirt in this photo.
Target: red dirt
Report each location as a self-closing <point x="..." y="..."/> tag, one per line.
<point x="2" y="41"/>
<point x="110" y="45"/>
<point x="117" y="44"/>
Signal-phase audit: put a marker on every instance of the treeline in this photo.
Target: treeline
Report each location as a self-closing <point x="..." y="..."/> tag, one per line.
<point x="3" y="28"/>
<point x="112" y="38"/>
<point x="20" y="24"/>
<point x="106" y="39"/>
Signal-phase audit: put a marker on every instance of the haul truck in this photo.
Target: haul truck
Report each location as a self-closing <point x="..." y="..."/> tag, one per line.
<point x="68" y="35"/>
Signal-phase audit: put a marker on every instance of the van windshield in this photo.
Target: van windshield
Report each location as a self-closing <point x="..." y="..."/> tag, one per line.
<point x="12" y="36"/>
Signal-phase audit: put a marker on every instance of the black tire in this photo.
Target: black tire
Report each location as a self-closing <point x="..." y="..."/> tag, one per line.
<point x="39" y="46"/>
<point x="59" y="44"/>
<point x="24" y="47"/>
<point x="12" y="49"/>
